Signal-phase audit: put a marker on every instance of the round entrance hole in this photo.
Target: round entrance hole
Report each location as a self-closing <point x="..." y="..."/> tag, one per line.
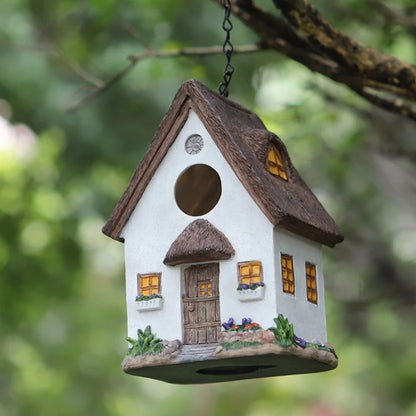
<point x="198" y="189"/>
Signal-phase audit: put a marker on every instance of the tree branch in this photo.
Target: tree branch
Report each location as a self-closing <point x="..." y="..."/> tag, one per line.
<point x="102" y="88"/>
<point x="305" y="36"/>
<point x="136" y="58"/>
<point x="203" y="51"/>
<point x="54" y="50"/>
<point x="394" y="104"/>
<point x="348" y="52"/>
<point x="391" y="15"/>
<point x="308" y="38"/>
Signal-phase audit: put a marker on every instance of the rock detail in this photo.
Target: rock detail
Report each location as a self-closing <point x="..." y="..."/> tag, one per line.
<point x="171" y="346"/>
<point x="260" y="335"/>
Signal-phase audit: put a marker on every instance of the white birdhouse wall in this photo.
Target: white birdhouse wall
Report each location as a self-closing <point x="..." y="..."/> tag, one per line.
<point x="157" y="221"/>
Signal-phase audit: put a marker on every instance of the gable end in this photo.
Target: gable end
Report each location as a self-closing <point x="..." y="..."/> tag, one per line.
<point x="244" y="141"/>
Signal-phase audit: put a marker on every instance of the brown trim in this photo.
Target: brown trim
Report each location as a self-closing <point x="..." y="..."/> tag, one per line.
<point x="170" y="125"/>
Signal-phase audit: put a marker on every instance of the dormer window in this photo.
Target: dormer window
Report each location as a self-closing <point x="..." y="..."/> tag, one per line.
<point x="275" y="163"/>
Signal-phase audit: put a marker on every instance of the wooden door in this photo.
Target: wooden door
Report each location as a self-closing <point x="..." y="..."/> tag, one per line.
<point x="201" y="306"/>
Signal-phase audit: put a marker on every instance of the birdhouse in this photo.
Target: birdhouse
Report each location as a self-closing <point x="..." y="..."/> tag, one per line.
<point x="223" y="250"/>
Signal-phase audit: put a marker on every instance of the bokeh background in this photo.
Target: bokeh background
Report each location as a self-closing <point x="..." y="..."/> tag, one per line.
<point x="62" y="313"/>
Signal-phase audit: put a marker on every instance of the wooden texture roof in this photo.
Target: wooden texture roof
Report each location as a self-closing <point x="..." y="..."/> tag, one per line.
<point x="244" y="142"/>
<point x="199" y="241"/>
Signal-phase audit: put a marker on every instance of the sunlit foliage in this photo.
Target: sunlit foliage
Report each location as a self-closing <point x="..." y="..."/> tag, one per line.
<point x="62" y="316"/>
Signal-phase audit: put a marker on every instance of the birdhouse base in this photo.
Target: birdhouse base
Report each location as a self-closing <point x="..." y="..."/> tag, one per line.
<point x="210" y="363"/>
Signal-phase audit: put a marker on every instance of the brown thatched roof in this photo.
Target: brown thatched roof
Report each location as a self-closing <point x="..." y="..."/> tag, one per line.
<point x="244" y="141"/>
<point x="199" y="241"/>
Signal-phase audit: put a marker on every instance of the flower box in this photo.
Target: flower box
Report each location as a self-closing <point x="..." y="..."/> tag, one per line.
<point x="245" y="295"/>
<point x="149" y="305"/>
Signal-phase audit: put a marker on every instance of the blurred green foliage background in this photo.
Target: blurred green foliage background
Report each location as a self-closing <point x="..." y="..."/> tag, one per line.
<point x="62" y="316"/>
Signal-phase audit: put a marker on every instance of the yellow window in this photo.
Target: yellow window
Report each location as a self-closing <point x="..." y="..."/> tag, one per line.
<point x="250" y="272"/>
<point x="275" y="163"/>
<point x="288" y="275"/>
<point x="311" y="287"/>
<point x="148" y="284"/>
<point x="205" y="289"/>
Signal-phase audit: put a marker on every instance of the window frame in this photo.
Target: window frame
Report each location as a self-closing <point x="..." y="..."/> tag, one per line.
<point x="204" y="289"/>
<point x="311" y="283"/>
<point x="141" y="276"/>
<point x="275" y="164"/>
<point x="251" y="276"/>
<point x="288" y="281"/>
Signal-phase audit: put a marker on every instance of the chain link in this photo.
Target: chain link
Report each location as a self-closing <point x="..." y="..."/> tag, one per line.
<point x="227" y="48"/>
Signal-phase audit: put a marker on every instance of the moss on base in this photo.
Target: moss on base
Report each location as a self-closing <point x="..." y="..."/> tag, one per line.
<point x="211" y="363"/>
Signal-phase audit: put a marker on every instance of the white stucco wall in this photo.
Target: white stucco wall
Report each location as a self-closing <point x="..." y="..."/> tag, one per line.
<point x="308" y="319"/>
<point x="157" y="221"/>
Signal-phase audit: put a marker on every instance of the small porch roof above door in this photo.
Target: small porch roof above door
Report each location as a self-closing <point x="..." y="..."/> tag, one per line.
<point x="199" y="241"/>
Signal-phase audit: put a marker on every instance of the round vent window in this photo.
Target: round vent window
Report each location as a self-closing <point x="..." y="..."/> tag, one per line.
<point x="198" y="189"/>
<point x="194" y="144"/>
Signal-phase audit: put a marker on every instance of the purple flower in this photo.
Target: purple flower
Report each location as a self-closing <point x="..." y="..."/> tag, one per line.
<point x="246" y="321"/>
<point x="228" y="324"/>
<point x="300" y="341"/>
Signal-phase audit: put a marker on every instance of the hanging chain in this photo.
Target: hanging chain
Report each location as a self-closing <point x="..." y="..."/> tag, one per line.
<point x="227" y="48"/>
